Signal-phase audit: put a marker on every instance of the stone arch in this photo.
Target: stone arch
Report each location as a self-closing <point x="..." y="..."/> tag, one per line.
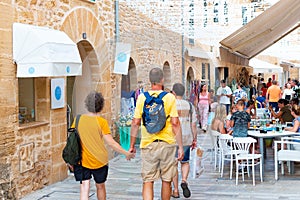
<point x="129" y="81"/>
<point x="167" y="75"/>
<point x="190" y="76"/>
<point x="128" y="86"/>
<point x="91" y="41"/>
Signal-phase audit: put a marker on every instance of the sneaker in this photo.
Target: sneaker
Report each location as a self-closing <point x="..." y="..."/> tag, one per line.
<point x="186" y="190"/>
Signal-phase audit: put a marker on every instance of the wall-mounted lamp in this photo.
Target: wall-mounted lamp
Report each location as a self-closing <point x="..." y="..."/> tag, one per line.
<point x="83" y="35"/>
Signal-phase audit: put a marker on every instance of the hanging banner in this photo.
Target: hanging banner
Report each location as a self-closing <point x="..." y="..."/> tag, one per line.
<point x="57" y="93"/>
<point x="122" y="57"/>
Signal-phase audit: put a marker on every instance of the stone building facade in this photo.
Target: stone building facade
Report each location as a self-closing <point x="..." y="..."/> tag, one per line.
<point x="31" y="151"/>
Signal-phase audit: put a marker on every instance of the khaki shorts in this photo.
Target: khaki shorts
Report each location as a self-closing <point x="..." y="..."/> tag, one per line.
<point x="158" y="161"/>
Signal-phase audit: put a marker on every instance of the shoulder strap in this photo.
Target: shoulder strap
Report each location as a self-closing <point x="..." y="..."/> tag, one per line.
<point x="77" y="121"/>
<point x="78" y="140"/>
<point x="148" y="97"/>
<point x="162" y="94"/>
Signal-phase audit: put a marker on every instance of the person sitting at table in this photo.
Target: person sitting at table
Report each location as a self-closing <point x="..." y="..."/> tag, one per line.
<point x="211" y="114"/>
<point x="295" y="111"/>
<point x="294" y="101"/>
<point x="284" y="114"/>
<point x="240" y="120"/>
<point x="229" y="129"/>
<point x="251" y="109"/>
<point x="218" y="123"/>
<point x="260" y="100"/>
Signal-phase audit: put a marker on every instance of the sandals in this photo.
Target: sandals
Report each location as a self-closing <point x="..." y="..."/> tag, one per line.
<point x="186" y="190"/>
<point x="174" y="195"/>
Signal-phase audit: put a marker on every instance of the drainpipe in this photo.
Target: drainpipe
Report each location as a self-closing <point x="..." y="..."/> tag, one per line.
<point x="182" y="60"/>
<point x="117" y="20"/>
<point x="182" y="45"/>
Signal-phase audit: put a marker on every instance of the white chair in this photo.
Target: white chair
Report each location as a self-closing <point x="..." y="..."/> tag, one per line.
<point x="292" y="153"/>
<point x="242" y="159"/>
<point x="226" y="151"/>
<point x="214" y="142"/>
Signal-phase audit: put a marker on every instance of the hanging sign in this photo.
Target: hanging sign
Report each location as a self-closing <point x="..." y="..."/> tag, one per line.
<point x="122" y="57"/>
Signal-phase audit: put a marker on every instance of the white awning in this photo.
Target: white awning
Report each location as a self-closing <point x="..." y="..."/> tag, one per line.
<point x="260" y="66"/>
<point x="198" y="53"/>
<point x="264" y="30"/>
<point x="44" y="52"/>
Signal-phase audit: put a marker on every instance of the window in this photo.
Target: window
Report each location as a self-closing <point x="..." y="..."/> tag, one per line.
<point x="244" y="15"/>
<point x="26" y="100"/>
<point x="34" y="104"/>
<point x="203" y="70"/>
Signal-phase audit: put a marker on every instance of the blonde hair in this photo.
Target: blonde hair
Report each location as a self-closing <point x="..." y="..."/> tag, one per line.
<point x="220" y="113"/>
<point x="296" y="109"/>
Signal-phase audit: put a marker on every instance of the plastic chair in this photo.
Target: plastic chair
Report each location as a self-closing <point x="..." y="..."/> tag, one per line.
<point x="227" y="152"/>
<point x="242" y="159"/>
<point x="290" y="154"/>
<point x="214" y="142"/>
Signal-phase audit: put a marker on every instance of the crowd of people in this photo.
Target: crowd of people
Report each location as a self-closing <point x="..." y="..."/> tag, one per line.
<point x="233" y="107"/>
<point x="229" y="113"/>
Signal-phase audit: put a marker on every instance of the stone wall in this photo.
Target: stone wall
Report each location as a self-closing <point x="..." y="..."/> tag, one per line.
<point x="151" y="46"/>
<point x="8" y="114"/>
<point x="31" y="154"/>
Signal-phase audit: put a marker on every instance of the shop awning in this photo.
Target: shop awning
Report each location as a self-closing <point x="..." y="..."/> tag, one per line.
<point x="44" y="52"/>
<point x="198" y="53"/>
<point x="260" y="66"/>
<point x="264" y="30"/>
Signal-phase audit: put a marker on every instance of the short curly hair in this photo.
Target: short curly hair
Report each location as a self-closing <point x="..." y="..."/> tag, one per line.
<point x="94" y="102"/>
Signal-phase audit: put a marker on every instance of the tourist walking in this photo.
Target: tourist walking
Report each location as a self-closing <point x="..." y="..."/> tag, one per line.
<point x="94" y="130"/>
<point x="224" y="93"/>
<point x="203" y="106"/>
<point x="273" y="95"/>
<point x="188" y="119"/>
<point x="158" y="149"/>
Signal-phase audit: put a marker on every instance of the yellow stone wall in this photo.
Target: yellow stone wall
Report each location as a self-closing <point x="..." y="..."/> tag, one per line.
<point x="31" y="153"/>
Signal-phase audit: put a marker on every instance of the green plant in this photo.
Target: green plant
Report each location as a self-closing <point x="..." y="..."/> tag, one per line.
<point x="124" y="119"/>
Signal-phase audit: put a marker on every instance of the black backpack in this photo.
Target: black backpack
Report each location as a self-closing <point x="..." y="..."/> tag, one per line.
<point x="72" y="151"/>
<point x="154" y="116"/>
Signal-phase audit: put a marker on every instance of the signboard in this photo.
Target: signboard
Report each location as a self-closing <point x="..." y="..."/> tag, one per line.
<point x="57" y="93"/>
<point x="122" y="57"/>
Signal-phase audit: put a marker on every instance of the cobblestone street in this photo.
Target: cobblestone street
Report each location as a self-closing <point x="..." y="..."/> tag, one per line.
<point x="124" y="183"/>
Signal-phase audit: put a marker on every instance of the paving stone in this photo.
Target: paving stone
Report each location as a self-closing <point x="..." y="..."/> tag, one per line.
<point x="125" y="183"/>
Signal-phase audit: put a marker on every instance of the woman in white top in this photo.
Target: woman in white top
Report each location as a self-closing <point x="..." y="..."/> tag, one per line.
<point x="288" y="92"/>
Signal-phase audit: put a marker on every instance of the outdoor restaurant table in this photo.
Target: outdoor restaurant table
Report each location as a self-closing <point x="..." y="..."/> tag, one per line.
<point x="269" y="134"/>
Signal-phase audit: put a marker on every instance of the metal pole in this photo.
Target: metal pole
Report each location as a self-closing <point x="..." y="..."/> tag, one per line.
<point x="182" y="45"/>
<point x="117" y="20"/>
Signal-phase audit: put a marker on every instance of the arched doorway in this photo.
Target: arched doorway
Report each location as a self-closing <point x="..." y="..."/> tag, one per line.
<point x="128" y="87"/>
<point x="167" y="76"/>
<point x="92" y="77"/>
<point x="189" y="81"/>
<point x="78" y="87"/>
